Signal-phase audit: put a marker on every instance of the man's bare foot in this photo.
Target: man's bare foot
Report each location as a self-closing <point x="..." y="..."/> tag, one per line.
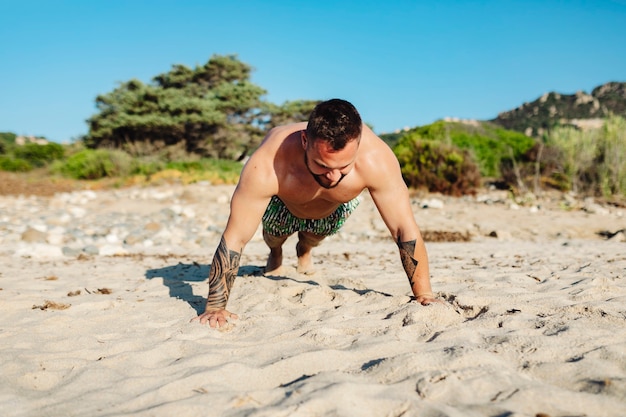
<point x="305" y="269"/>
<point x="305" y="261"/>
<point x="274" y="263"/>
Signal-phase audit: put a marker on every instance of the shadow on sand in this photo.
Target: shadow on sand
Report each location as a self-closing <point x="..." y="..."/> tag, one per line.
<point x="178" y="278"/>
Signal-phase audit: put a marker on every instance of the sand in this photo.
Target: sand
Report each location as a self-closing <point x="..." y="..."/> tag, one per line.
<point x="533" y="324"/>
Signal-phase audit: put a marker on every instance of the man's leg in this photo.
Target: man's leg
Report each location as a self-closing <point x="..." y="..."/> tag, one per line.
<point x="306" y="242"/>
<point x="275" y="258"/>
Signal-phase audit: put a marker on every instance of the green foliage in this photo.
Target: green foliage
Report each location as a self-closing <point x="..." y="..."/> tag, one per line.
<point x="7" y="138"/>
<point x="214" y="110"/>
<point x="593" y="161"/>
<point x="437" y="166"/>
<point x="289" y="112"/>
<point x="612" y="157"/>
<point x="223" y="169"/>
<point x="23" y="158"/>
<point x="39" y="155"/>
<point x="95" y="164"/>
<point x="487" y="143"/>
<point x="8" y="163"/>
<point x="7" y="141"/>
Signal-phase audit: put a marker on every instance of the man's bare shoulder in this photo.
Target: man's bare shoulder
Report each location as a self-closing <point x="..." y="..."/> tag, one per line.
<point x="376" y="156"/>
<point x="260" y="172"/>
<point x="278" y="134"/>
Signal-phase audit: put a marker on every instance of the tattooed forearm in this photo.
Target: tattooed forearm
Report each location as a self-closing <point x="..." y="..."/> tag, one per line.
<point x="407" y="250"/>
<point x="222" y="276"/>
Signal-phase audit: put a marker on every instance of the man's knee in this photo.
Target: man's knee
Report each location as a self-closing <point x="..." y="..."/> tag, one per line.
<point x="273" y="240"/>
<point x="310" y="239"/>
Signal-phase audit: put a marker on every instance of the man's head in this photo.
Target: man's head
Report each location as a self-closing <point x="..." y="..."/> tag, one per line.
<point x="331" y="141"/>
<point x="336" y="122"/>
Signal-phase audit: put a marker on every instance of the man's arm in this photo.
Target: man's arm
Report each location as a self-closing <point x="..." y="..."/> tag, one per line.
<point x="222" y="276"/>
<point x="255" y="188"/>
<point x="391" y="197"/>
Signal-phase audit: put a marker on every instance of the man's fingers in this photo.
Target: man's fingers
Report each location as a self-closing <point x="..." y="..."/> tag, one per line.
<point x="216" y="319"/>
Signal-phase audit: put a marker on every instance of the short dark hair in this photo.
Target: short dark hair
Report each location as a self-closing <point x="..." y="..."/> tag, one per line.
<point x="335" y="121"/>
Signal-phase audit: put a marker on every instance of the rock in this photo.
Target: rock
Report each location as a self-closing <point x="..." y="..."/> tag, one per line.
<point x="38" y="250"/>
<point x="91" y="250"/>
<point x="152" y="227"/>
<point x="73" y="252"/>
<point x="31" y="235"/>
<point x="433" y="203"/>
<point x="590" y="206"/>
<point x="501" y="234"/>
<point x="112" y="250"/>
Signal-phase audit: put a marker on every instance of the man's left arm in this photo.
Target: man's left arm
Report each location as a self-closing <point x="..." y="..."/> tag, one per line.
<point x="391" y="197"/>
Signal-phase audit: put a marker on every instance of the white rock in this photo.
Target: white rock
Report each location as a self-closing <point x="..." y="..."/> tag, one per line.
<point x="38" y="250"/>
<point x="189" y="212"/>
<point x="433" y="203"/>
<point x="77" y="212"/>
<point x="112" y="250"/>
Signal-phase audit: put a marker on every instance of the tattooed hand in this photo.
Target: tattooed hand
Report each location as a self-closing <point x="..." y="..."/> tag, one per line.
<point x="427" y="299"/>
<point x="215" y="318"/>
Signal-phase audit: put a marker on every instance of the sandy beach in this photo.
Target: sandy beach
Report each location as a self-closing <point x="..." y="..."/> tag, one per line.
<point x="97" y="290"/>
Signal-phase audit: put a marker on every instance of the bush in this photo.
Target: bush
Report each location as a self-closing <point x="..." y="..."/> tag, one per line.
<point x="39" y="155"/>
<point x="7" y="138"/>
<point x="95" y="164"/>
<point x="487" y="143"/>
<point x="437" y="167"/>
<point x="216" y="170"/>
<point x="593" y="161"/>
<point x="11" y="164"/>
<point x="612" y="157"/>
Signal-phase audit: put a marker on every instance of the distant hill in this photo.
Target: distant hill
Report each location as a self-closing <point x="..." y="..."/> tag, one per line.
<point x="579" y="109"/>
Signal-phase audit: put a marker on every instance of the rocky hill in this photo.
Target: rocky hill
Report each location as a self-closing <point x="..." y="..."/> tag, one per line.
<point x="579" y="109"/>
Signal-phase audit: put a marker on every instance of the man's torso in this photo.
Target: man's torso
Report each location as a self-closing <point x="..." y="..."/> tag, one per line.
<point x="302" y="195"/>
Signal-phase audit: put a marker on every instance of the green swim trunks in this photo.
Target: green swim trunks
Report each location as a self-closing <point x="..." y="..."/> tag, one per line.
<point x="279" y="221"/>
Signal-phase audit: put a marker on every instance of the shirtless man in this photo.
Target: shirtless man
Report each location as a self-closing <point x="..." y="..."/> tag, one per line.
<point x="305" y="178"/>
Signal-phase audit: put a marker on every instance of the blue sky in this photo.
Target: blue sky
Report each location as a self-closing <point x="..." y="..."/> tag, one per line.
<point x="402" y="63"/>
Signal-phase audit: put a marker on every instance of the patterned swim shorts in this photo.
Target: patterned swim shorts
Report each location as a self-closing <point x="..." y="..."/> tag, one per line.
<point x="279" y="221"/>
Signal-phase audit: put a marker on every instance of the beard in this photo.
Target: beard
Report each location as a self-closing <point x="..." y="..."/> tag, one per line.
<point x="320" y="178"/>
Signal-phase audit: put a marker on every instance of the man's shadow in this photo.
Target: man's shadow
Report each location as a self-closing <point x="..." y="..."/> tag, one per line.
<point x="177" y="278"/>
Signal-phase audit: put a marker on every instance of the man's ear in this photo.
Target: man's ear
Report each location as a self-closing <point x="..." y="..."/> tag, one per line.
<point x="303" y="139"/>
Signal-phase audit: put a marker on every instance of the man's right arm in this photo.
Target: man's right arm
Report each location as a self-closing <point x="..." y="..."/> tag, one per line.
<point x="249" y="201"/>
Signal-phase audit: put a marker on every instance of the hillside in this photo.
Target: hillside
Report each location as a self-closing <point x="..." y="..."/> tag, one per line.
<point x="579" y="109"/>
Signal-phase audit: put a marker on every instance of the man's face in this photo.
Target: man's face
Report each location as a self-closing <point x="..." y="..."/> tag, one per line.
<point x="328" y="166"/>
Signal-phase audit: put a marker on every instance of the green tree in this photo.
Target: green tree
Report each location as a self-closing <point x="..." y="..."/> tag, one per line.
<point x="289" y="112"/>
<point x="214" y="110"/>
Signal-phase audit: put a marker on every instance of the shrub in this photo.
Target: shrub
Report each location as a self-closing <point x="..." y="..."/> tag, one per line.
<point x="7" y="138"/>
<point x="95" y="164"/>
<point x="593" y="161"/>
<point x="612" y="157"/>
<point x="216" y="170"/>
<point x="148" y="166"/>
<point x="39" y="155"/>
<point x="487" y="143"/>
<point x="11" y="164"/>
<point x="437" y="167"/>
